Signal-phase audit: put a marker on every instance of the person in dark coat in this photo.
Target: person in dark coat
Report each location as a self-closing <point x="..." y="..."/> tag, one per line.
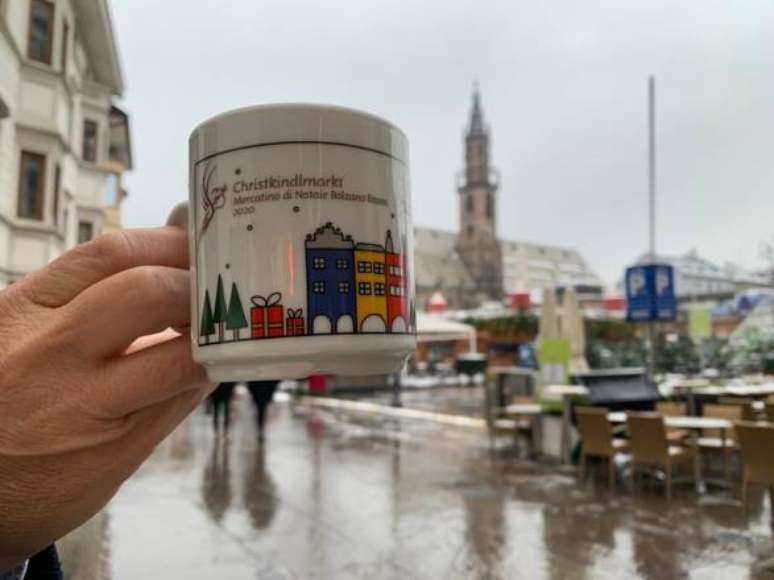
<point x="221" y="405"/>
<point x="262" y="393"/>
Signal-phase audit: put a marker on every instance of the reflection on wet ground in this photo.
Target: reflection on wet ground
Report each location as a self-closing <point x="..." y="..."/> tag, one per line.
<point x="337" y="495"/>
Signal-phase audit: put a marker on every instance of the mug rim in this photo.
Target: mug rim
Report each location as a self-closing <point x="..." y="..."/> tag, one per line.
<point x="400" y="153"/>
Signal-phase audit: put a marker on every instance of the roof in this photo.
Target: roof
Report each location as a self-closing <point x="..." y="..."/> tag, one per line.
<point x="437" y="264"/>
<point x="98" y="37"/>
<point x="434" y="327"/>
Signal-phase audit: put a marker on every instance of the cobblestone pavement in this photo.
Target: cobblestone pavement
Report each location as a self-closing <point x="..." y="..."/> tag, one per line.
<point x="340" y="495"/>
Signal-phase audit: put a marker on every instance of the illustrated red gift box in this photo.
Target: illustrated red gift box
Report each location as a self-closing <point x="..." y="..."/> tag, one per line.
<point x="294" y="325"/>
<point x="266" y="316"/>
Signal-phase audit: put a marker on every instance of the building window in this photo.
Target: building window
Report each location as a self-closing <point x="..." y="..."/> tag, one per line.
<point x="57" y="185"/>
<point x="41" y="30"/>
<point x="90" y="139"/>
<point x="378" y="268"/>
<point x="396" y="291"/>
<point x="65" y="39"/>
<point x="470" y="231"/>
<point x="318" y="287"/>
<point x="318" y="263"/>
<point x="364" y="289"/>
<point x="379" y="289"/>
<point x="32" y="179"/>
<point x="85" y="232"/>
<point x="364" y="268"/>
<point x="342" y="264"/>
<point x="395" y="271"/>
<point x="490" y="206"/>
<point x="469" y="203"/>
<point x="111" y="191"/>
<point x="343" y="287"/>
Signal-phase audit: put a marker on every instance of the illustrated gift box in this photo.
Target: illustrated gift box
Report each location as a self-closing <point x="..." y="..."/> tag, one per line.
<point x="295" y="322"/>
<point x="266" y="316"/>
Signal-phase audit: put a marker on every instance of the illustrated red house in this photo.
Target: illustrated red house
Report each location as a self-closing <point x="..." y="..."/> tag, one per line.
<point x="397" y="301"/>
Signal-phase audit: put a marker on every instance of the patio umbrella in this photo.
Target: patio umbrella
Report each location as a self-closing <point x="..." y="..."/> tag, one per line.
<point x="574" y="332"/>
<point x="549" y="322"/>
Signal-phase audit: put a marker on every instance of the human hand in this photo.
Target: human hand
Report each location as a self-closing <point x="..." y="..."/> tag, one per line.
<point x="89" y="381"/>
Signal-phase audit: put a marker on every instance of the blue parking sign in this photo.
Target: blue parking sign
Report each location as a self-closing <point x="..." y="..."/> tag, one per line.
<point x="650" y="293"/>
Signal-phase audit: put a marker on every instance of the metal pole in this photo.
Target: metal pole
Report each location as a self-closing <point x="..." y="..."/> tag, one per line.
<point x="652" y="209"/>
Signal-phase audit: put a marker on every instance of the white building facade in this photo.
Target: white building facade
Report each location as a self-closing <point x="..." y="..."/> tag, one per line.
<point x="530" y="266"/>
<point x="63" y="143"/>
<point x="695" y="276"/>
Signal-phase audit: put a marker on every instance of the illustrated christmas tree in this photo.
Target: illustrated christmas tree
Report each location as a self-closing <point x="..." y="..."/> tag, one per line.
<point x="207" y="327"/>
<point x="235" y="317"/>
<point x="219" y="315"/>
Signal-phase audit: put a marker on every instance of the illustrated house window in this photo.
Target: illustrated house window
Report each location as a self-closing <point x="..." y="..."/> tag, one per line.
<point x="395" y="270"/>
<point x="41" y="31"/>
<point x="342" y="264"/>
<point x="318" y="263"/>
<point x="318" y="287"/>
<point x="379" y="289"/>
<point x="378" y="268"/>
<point x="343" y="287"/>
<point x="32" y="179"/>
<point x="90" y="139"/>
<point x="85" y="232"/>
<point x="364" y="289"/>
<point x="395" y="291"/>
<point x="364" y="268"/>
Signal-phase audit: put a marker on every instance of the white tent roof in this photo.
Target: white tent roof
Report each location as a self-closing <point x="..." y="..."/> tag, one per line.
<point x="432" y="327"/>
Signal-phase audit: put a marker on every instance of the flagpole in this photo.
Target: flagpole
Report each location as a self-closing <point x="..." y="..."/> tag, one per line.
<point x="652" y="209"/>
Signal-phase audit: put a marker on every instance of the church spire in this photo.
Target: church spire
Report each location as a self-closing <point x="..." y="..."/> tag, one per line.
<point x="476" y="115"/>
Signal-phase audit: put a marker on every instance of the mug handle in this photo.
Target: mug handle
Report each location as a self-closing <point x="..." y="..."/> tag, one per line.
<point x="179" y="215"/>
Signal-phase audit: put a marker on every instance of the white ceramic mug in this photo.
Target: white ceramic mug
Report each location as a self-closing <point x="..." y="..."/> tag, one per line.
<point x="301" y="244"/>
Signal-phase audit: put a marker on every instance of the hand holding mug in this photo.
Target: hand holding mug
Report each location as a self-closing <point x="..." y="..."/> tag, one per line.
<point x="91" y="380"/>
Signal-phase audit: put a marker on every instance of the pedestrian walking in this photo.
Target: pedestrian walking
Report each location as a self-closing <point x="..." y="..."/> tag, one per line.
<point x="221" y="405"/>
<point x="262" y="393"/>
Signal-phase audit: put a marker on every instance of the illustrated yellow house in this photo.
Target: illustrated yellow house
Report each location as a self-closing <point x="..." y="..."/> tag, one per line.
<point x="370" y="282"/>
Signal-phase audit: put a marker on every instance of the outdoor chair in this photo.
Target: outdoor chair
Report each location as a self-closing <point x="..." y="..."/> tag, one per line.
<point x="756" y="442"/>
<point x="499" y="424"/>
<point x="713" y="440"/>
<point x="598" y="439"/>
<point x="674" y="409"/>
<point x="651" y="448"/>
<point x="748" y="411"/>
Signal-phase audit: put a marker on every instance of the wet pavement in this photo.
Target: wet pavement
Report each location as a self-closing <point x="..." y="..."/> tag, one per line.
<point x="340" y="495"/>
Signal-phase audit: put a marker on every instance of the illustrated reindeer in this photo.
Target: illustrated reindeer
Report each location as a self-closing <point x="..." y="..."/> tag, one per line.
<point x="211" y="200"/>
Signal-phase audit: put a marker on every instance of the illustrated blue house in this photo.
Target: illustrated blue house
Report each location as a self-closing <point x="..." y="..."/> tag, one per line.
<point x="330" y="280"/>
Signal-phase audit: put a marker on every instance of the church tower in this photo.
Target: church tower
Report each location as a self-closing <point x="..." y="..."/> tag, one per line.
<point x="477" y="242"/>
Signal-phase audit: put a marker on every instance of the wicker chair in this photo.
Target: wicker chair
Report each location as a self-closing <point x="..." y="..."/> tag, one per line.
<point x="714" y="439"/>
<point x="748" y="411"/>
<point x="598" y="439"/>
<point x="651" y="448"/>
<point x="674" y="409"/>
<point x="756" y="441"/>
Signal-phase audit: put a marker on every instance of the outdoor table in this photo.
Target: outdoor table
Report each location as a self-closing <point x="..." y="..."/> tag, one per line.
<point x="690" y="423"/>
<point x="524" y="409"/>
<point x="688" y="388"/>
<point x="693" y="390"/>
<point x="566" y="393"/>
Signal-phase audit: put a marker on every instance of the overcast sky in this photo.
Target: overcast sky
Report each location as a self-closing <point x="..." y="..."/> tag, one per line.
<point x="564" y="91"/>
